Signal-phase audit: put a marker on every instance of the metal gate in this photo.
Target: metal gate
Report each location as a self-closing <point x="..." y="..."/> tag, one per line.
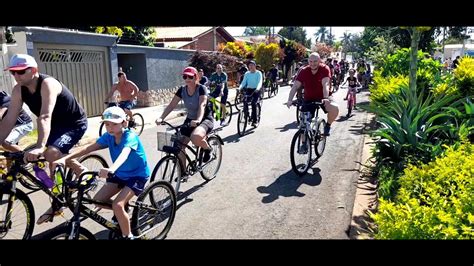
<point x="83" y="69"/>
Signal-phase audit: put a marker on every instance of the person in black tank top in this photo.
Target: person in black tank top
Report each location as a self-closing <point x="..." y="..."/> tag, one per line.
<point x="61" y="119"/>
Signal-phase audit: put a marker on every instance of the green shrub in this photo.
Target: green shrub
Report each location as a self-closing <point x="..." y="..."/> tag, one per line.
<point x="384" y="86"/>
<point x="399" y="63"/>
<point x="435" y="201"/>
<point x="464" y="76"/>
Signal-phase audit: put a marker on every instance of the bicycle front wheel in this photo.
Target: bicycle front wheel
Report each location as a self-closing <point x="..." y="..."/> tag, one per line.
<point x="241" y="123"/>
<point x="17" y="215"/>
<point x="212" y="167"/>
<point x="155" y="211"/>
<point x="168" y="169"/>
<point x="228" y="113"/>
<point x="319" y="138"/>
<point x="138" y="125"/>
<point x="92" y="162"/>
<point x="102" y="129"/>
<point x="300" y="152"/>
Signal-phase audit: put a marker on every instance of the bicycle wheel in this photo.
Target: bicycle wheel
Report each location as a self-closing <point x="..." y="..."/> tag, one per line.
<point x="241" y="123"/>
<point x="168" y="169"/>
<point x="92" y="162"/>
<point x="102" y="129"/>
<point x="212" y="167"/>
<point x="259" y="113"/>
<point x="228" y="113"/>
<point x="27" y="183"/>
<point x="20" y="222"/>
<point x="276" y="89"/>
<point x="298" y="110"/>
<point x="300" y="152"/>
<point x="62" y="233"/>
<point x="154" y="215"/>
<point x="239" y="98"/>
<point x="138" y="125"/>
<point x="319" y="138"/>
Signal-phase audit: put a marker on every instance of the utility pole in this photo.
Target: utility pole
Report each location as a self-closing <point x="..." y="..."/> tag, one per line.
<point x="215" y="39"/>
<point x="444" y="37"/>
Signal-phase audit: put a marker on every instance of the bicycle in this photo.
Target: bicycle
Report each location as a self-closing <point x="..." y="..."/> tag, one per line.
<point x="351" y="100"/>
<point x="137" y="124"/>
<point x="148" y="212"/>
<point x="239" y="99"/>
<point x="217" y="111"/>
<point x="171" y="144"/>
<point x="273" y="88"/>
<point x="310" y="132"/>
<point x="15" y="205"/>
<point x="243" y="118"/>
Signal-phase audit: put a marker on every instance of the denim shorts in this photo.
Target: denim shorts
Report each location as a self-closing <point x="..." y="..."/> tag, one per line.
<point x="19" y="132"/>
<point x="137" y="184"/>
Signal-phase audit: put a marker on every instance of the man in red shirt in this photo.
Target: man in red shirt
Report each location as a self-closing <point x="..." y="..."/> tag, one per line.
<point x="315" y="78"/>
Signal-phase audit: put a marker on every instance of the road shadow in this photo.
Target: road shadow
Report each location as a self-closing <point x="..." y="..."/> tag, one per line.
<point x="292" y="125"/>
<point x="232" y="138"/>
<point x="287" y="185"/>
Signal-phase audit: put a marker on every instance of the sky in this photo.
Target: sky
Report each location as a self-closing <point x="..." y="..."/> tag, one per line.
<point x="337" y="31"/>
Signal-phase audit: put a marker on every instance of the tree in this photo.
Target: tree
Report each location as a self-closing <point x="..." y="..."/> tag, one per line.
<point x="331" y="39"/>
<point x="321" y="34"/>
<point x="322" y="49"/>
<point x="266" y="55"/>
<point x="297" y="34"/>
<point x="138" y="35"/>
<point x="252" y="31"/>
<point x="209" y="60"/>
<point x="415" y="34"/>
<point x="379" y="52"/>
<point x="293" y="51"/>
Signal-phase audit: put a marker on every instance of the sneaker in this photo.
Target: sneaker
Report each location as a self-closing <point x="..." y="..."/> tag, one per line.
<point x="207" y="155"/>
<point x="326" y="130"/>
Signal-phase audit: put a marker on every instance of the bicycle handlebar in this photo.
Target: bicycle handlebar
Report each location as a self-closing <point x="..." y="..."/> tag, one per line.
<point x="18" y="156"/>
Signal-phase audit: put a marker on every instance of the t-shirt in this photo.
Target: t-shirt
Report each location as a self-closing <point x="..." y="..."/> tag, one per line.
<point x="22" y="119"/>
<point x="136" y="164"/>
<point x="191" y="102"/>
<point x="313" y="86"/>
<point x="352" y="81"/>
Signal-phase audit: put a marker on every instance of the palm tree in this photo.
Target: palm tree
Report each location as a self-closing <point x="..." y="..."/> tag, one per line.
<point x="321" y="34"/>
<point x="346" y="38"/>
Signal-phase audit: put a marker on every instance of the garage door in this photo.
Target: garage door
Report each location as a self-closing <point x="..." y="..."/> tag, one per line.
<point x="83" y="69"/>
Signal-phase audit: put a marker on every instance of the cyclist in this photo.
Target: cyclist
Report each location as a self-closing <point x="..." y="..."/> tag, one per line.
<point x="315" y="78"/>
<point x="273" y="73"/>
<point x="199" y="121"/>
<point x="130" y="167"/>
<point x="23" y="125"/>
<point x="241" y="72"/>
<point x="61" y="119"/>
<point x="252" y="83"/>
<point x="128" y="94"/>
<point x="219" y="79"/>
<point x="204" y="80"/>
<point x="352" y="86"/>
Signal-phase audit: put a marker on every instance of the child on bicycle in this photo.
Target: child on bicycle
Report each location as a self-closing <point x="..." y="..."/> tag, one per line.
<point x="130" y="167"/>
<point x="352" y="87"/>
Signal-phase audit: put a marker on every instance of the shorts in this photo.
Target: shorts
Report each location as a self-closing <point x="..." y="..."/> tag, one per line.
<point x="127" y="104"/>
<point x="65" y="138"/>
<point x="136" y="184"/>
<point x="19" y="132"/>
<point x="308" y="107"/>
<point x="207" y="123"/>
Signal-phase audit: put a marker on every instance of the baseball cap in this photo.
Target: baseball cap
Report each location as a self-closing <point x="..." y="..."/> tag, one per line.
<point x="21" y="61"/>
<point x="114" y="114"/>
<point x="190" y="71"/>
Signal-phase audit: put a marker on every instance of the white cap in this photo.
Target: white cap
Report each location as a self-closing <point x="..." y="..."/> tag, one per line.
<point x="21" y="61"/>
<point x="114" y="114"/>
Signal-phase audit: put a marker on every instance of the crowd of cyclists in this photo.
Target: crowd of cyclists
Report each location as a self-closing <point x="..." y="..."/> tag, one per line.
<point x="62" y="121"/>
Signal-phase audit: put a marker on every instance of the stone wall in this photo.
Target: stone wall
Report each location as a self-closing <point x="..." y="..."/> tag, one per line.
<point x="155" y="97"/>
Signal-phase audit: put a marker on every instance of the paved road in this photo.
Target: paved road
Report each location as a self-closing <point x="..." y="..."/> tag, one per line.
<point x="256" y="194"/>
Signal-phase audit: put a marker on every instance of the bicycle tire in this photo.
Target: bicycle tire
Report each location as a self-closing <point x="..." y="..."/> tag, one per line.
<point x="93" y="162"/>
<point x="259" y="113"/>
<point x="294" y="148"/>
<point x="101" y="129"/>
<point x="217" y="152"/>
<point x="228" y="117"/>
<point x="144" y="219"/>
<point x="27" y="183"/>
<point x="319" y="138"/>
<point x="165" y="163"/>
<point x="23" y="199"/>
<point x="62" y="232"/>
<point x="138" y="125"/>
<point x="241" y="123"/>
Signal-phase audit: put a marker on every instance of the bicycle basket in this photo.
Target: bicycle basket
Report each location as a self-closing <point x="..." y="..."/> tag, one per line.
<point x="164" y="139"/>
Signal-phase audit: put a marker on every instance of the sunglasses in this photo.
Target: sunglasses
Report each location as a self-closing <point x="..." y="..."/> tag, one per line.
<point x="19" y="72"/>
<point x="187" y="77"/>
<point x="110" y="116"/>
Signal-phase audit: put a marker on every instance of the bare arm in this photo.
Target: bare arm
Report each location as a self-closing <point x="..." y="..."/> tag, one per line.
<point x="170" y="107"/>
<point x="120" y="159"/>
<point x="50" y="89"/>
<point x="293" y="90"/>
<point x="111" y="92"/>
<point x="325" y="82"/>
<point x="202" y="106"/>
<point x="8" y="122"/>
<point x="135" y="90"/>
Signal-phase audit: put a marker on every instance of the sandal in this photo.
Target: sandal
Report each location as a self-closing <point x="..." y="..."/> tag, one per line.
<point x="49" y="216"/>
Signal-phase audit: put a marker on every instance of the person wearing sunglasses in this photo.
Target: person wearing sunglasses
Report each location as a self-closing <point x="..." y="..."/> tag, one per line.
<point x="61" y="120"/>
<point x="128" y="93"/>
<point x="23" y="125"/>
<point x="199" y="121"/>
<point x="130" y="167"/>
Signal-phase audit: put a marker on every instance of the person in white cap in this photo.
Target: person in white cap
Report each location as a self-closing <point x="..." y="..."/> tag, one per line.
<point x="130" y="170"/>
<point x="61" y="120"/>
